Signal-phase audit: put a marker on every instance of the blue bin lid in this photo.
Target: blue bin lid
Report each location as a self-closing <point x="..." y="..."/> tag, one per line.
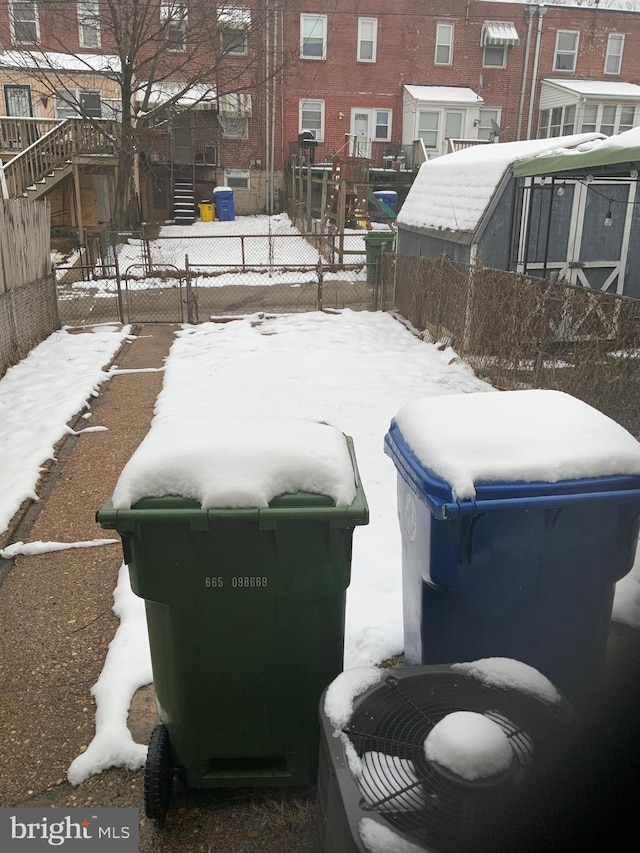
<point x="386" y="194"/>
<point x="223" y="192"/>
<point x="437" y="494"/>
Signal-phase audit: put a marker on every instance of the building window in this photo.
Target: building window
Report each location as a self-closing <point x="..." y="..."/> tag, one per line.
<point x="173" y="17"/>
<point x="494" y="56"/>
<point x="383" y="125"/>
<point x="444" y="44"/>
<point x="88" y="23"/>
<point x="495" y="38"/>
<point x="608" y="118"/>
<point x="566" y="50"/>
<point x="559" y="121"/>
<point x="428" y="123"/>
<point x="237" y="179"/>
<point x="613" y="59"/>
<point x="486" y="128"/>
<point x="25" y="24"/>
<point x="313" y="36"/>
<point x="234" y="110"/>
<point x="73" y="103"/>
<point x="234" y="127"/>
<point x="367" y="39"/>
<point x="312" y="118"/>
<point x="234" y="22"/>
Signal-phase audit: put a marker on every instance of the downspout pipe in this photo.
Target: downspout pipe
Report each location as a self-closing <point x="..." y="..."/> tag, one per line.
<point x="534" y="77"/>
<point x="525" y="68"/>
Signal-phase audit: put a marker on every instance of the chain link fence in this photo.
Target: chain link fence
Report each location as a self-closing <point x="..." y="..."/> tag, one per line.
<point x="28" y="314"/>
<point x="520" y="332"/>
<point x="188" y="279"/>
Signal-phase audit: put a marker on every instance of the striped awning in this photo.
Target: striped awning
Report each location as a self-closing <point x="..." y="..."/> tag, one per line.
<point x="499" y="33"/>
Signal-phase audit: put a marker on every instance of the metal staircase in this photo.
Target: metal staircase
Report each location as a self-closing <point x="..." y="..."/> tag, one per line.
<point x="184" y="202"/>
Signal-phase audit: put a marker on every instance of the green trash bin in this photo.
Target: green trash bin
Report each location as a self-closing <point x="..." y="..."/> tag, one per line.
<point x="245" y="614"/>
<point x="376" y="242"/>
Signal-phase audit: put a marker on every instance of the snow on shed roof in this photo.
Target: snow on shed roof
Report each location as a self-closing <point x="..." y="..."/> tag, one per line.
<point x="597" y="88"/>
<point x="607" y="151"/>
<point x="452" y="192"/>
<point x="444" y="94"/>
<point x="52" y="61"/>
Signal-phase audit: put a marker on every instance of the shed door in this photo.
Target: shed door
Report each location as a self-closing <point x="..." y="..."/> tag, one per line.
<point x="577" y="231"/>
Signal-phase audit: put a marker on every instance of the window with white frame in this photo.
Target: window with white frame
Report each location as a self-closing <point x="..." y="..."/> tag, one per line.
<point x="367" y="39"/>
<point x="89" y="23"/>
<point x="312" y="118"/>
<point x="559" y="121"/>
<point x="173" y="17"/>
<point x="428" y="125"/>
<point x="444" y="44"/>
<point x="613" y="59"/>
<point x="383" y="125"/>
<point x="495" y="38"/>
<point x="234" y="21"/>
<point x="313" y="36"/>
<point x="566" y="53"/>
<point x="234" y="110"/>
<point x="72" y="103"/>
<point x="494" y="56"/>
<point x="237" y="179"/>
<point x="608" y="118"/>
<point x="486" y="129"/>
<point x="24" y="21"/>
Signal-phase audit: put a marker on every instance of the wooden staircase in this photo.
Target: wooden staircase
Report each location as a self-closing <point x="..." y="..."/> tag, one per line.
<point x="38" y="168"/>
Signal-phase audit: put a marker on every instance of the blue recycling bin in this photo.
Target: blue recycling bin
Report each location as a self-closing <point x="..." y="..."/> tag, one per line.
<point x="225" y="207"/>
<point x="525" y="570"/>
<point x="388" y="202"/>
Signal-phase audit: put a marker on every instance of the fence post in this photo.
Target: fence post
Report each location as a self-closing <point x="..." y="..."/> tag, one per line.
<point x="192" y="302"/>
<point x="320" y="272"/>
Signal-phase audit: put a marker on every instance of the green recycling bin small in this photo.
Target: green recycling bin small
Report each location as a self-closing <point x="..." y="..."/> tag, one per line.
<point x="376" y="242"/>
<point x="245" y="614"/>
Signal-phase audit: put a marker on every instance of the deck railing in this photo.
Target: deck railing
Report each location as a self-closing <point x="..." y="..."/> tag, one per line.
<point x="56" y="148"/>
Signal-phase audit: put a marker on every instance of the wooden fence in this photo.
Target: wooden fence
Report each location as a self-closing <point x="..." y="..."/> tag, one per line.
<point x="28" y="306"/>
<point x="24" y="242"/>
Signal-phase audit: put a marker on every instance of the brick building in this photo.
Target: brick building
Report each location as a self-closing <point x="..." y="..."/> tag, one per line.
<point x="369" y="78"/>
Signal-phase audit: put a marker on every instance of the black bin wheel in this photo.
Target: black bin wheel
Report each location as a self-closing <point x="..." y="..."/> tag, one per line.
<point x="158" y="775"/>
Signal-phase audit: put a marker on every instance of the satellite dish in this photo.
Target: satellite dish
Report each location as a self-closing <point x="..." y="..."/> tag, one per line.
<point x="495" y="130"/>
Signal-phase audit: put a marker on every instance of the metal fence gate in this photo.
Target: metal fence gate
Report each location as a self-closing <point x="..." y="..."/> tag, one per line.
<point x="189" y="279"/>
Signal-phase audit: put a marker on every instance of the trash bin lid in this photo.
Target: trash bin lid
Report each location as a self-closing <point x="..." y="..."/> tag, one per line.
<point x="234" y="462"/>
<point x="511" y="444"/>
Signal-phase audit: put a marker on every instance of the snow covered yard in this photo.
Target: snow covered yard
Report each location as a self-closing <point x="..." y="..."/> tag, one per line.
<point x="352" y="370"/>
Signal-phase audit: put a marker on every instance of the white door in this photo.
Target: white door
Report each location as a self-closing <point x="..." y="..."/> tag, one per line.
<point x="452" y="128"/>
<point x="361" y="129"/>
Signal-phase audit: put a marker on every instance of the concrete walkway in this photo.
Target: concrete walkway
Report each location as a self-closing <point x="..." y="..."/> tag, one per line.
<point x="56" y="623"/>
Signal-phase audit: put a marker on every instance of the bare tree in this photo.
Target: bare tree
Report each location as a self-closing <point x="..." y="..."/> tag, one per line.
<point x="164" y="55"/>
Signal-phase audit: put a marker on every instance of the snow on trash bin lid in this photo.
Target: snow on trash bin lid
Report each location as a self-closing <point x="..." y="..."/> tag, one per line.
<point x="515" y="436"/>
<point x="237" y="462"/>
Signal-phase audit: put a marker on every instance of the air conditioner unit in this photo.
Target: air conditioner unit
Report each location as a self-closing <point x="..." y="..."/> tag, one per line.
<point x="382" y="787"/>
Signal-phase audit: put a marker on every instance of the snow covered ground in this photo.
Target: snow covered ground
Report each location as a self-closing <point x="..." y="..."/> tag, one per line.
<point x="354" y="370"/>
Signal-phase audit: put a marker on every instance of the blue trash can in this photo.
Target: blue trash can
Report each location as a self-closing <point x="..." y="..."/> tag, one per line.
<point x="525" y="570"/>
<point x="388" y="202"/>
<point x="225" y="207"/>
